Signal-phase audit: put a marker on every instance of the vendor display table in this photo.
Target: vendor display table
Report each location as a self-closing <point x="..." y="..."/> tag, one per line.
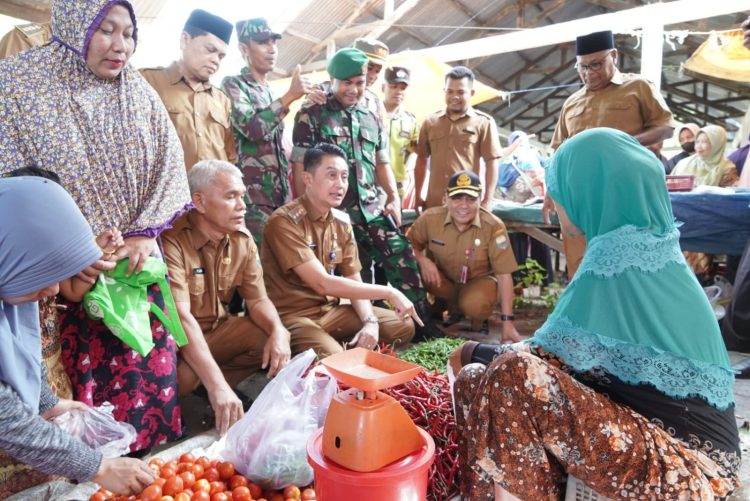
<point x="710" y="222"/>
<point x="713" y="223"/>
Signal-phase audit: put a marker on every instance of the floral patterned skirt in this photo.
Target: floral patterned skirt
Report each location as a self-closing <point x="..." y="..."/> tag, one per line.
<point x="104" y="369"/>
<point x="526" y="424"/>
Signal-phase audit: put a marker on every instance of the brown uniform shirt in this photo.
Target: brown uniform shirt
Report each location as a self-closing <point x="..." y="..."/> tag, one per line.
<point x="447" y="246"/>
<point x="24" y="36"/>
<point x="201" y="116"/>
<point x="295" y="234"/>
<point x="455" y="145"/>
<point x="629" y="103"/>
<point x="207" y="273"/>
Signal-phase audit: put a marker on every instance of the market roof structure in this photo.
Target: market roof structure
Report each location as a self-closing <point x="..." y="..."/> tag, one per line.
<point x="539" y="79"/>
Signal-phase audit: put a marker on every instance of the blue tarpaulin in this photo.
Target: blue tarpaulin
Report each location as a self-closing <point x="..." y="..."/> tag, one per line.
<point x="713" y="223"/>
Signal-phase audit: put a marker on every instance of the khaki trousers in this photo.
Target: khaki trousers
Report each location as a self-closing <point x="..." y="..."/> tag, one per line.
<point x="475" y="299"/>
<point x="326" y="330"/>
<point x="236" y="345"/>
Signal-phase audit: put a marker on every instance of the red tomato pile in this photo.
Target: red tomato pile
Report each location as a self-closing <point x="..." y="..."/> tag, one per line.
<point x="201" y="479"/>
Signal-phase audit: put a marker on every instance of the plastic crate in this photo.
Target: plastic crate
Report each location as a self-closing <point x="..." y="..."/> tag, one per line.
<point x="576" y="490"/>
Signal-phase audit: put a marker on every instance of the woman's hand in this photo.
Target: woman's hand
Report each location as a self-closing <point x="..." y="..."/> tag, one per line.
<point x="109" y="241"/>
<point x="63" y="405"/>
<point x="125" y="476"/>
<point x="138" y="249"/>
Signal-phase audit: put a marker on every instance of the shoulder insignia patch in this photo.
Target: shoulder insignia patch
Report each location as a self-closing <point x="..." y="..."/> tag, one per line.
<point x="296" y="213"/>
<point x="31" y="29"/>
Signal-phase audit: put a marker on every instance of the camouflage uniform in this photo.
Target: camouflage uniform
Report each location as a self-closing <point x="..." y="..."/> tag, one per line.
<point x="257" y="122"/>
<point x="331" y="123"/>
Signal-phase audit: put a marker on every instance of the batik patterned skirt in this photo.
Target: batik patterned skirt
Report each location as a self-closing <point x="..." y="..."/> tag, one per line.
<point x="525" y="423"/>
<point x="102" y="369"/>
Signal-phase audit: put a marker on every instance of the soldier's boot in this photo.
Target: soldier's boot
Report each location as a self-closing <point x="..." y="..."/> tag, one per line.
<point x="429" y="330"/>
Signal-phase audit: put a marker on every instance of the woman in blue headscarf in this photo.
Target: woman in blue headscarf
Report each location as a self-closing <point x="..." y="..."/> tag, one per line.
<point x="44" y="239"/>
<point x="627" y="386"/>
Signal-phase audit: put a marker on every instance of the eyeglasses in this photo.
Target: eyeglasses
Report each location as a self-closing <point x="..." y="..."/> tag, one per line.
<point x="595" y="66"/>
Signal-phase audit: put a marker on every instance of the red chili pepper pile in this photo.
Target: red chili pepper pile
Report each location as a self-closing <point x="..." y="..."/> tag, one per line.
<point x="427" y="399"/>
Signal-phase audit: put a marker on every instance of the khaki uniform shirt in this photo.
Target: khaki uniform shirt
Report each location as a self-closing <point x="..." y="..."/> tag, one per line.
<point x="295" y="234"/>
<point x="201" y="116"/>
<point x="24" y="37"/>
<point x="435" y="231"/>
<point x="207" y="273"/>
<point x="455" y="145"/>
<point x="629" y="103"/>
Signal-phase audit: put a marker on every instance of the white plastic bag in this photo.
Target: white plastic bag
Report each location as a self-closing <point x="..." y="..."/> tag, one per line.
<point x="268" y="445"/>
<point x="97" y="428"/>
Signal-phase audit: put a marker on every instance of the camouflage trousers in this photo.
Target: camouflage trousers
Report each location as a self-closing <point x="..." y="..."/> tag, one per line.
<point x="255" y="220"/>
<point x="390" y="250"/>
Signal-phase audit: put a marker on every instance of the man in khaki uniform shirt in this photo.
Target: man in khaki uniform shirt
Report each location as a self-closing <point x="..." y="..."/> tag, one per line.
<point x="210" y="255"/>
<point x="309" y="256"/>
<point x="465" y="257"/>
<point x="199" y="111"/>
<point x="23" y="37"/>
<point x="455" y="138"/>
<point x="622" y="101"/>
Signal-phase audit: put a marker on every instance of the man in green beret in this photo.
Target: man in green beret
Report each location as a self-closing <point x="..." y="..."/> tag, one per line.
<point x="258" y="122"/>
<point x="345" y="120"/>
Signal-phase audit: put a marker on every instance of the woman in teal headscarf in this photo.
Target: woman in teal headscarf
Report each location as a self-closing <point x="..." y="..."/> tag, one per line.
<point x="43" y="239"/>
<point x="627" y="386"/>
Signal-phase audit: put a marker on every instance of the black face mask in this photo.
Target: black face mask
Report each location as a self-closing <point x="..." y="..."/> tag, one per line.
<point x="688" y="147"/>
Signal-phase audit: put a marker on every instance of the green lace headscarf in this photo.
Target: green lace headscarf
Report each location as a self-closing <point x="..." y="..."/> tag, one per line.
<point x="634" y="308"/>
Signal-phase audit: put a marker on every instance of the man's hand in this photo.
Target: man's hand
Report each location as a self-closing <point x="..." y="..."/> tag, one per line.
<point x="403" y="307"/>
<point x="226" y="405"/>
<point x="419" y="204"/>
<point x="63" y="405"/>
<point x="367" y="337"/>
<point x="510" y="334"/>
<point x="429" y="270"/>
<point x="548" y="207"/>
<point x="393" y="207"/>
<point x="138" y="249"/>
<point x="487" y="203"/>
<point x="124" y="476"/>
<point x="299" y="86"/>
<point x="276" y="352"/>
<point x="317" y="96"/>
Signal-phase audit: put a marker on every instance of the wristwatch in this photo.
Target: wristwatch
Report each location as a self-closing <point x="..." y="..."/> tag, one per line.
<point x="507" y="317"/>
<point x="370" y="319"/>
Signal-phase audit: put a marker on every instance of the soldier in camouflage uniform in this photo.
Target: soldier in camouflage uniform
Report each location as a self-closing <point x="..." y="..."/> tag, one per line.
<point x="257" y="122"/>
<point x="345" y="121"/>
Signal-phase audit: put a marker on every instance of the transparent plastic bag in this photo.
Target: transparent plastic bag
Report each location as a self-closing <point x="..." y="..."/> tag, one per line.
<point x="97" y="428"/>
<point x="268" y="445"/>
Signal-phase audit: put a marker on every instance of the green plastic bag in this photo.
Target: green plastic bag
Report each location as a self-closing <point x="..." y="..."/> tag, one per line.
<point x="121" y="303"/>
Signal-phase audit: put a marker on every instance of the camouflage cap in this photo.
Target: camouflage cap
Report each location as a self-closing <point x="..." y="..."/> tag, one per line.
<point x="347" y="63"/>
<point x="464" y="182"/>
<point x="397" y="74"/>
<point x="255" y="29"/>
<point x="376" y="51"/>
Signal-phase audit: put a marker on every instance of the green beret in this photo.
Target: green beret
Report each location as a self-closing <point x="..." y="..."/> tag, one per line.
<point x="347" y="63"/>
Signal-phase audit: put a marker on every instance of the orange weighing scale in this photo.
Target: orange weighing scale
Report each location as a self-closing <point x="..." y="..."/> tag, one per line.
<point x="369" y="449"/>
<point x="365" y="429"/>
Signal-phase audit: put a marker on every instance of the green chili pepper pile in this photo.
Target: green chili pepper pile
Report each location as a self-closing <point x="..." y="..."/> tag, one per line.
<point x="433" y="354"/>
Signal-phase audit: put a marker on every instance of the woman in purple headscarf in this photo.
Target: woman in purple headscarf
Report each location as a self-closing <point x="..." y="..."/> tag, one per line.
<point x="77" y="107"/>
